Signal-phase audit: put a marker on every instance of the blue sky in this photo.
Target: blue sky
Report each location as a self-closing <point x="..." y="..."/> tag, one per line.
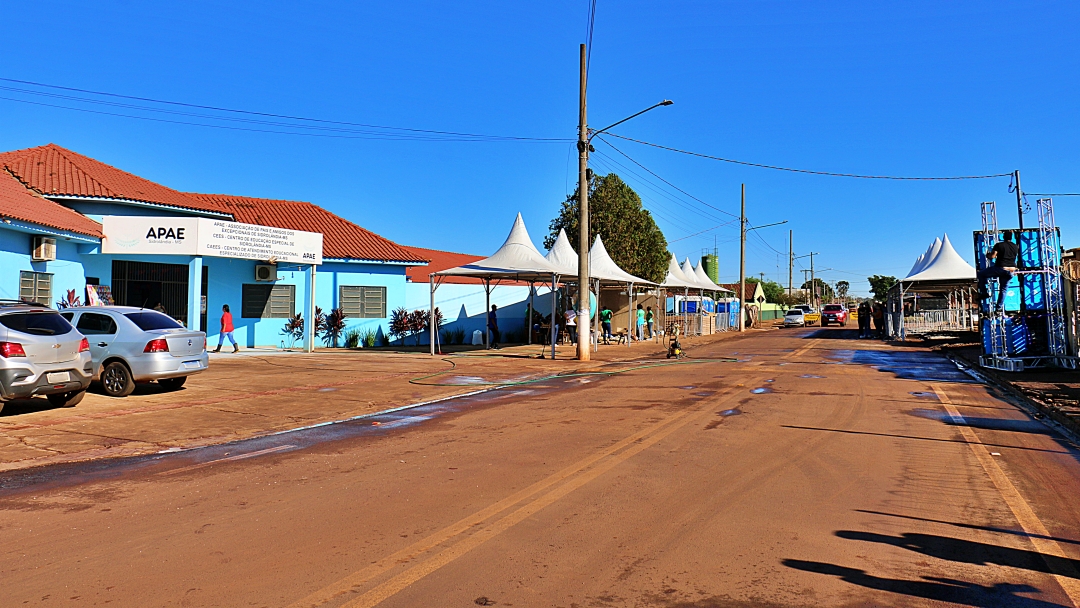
<point x="919" y="88"/>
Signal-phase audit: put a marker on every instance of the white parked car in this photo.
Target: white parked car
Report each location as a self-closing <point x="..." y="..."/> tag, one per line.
<point x="794" y="318"/>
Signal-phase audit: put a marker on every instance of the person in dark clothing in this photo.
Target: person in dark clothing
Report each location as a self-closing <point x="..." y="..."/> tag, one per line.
<point x="879" y="319"/>
<point x="493" y="327"/>
<point x="1002" y="263"/>
<point x="864" y="320"/>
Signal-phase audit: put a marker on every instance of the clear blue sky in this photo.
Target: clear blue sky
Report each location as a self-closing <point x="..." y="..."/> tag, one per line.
<point x="922" y="88"/>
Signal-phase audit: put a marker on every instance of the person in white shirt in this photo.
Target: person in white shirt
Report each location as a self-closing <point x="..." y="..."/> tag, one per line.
<point x="571" y="323"/>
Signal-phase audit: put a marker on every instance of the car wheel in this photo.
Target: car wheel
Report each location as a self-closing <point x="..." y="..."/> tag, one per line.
<point x="69" y="399"/>
<point x="116" y="380"/>
<point x="172" y="384"/>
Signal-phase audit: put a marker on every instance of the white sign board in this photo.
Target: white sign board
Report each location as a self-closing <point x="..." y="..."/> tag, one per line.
<point x="208" y="237"/>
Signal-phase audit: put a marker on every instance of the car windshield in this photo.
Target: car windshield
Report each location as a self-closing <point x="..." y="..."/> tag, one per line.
<point x="37" y="323"/>
<point x="794" y="313"/>
<point x="150" y="320"/>
<point x="834" y="308"/>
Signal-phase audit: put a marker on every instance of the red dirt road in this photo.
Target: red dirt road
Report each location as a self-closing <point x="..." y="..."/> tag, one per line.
<point x="860" y="475"/>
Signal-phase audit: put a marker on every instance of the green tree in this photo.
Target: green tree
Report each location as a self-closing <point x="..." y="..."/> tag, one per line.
<point x="880" y="285"/>
<point x="774" y="292"/>
<point x="842" y="288"/>
<point x="824" y="290"/>
<point x="630" y="234"/>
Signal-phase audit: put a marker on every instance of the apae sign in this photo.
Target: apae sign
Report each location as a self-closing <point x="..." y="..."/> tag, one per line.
<point x="208" y="237"/>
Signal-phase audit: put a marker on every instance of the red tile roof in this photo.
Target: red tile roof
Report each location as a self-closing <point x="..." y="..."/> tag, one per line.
<point x="737" y="288"/>
<point x="56" y="171"/>
<point x="341" y="238"/>
<point x="19" y="203"/>
<point x="441" y="260"/>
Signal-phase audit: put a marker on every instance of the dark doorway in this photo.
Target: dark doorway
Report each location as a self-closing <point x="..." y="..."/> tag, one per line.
<point x="151" y="285"/>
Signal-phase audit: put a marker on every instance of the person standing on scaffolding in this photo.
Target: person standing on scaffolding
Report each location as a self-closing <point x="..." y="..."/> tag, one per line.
<point x="1001" y="265"/>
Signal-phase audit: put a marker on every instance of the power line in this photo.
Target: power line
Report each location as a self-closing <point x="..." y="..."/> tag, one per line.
<point x="303" y="119"/>
<point x="1051" y="194"/>
<point x="662" y="179"/>
<point x="588" y="41"/>
<point x="808" y="171"/>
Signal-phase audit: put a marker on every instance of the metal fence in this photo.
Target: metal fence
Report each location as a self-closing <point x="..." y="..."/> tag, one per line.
<point x="935" y="321"/>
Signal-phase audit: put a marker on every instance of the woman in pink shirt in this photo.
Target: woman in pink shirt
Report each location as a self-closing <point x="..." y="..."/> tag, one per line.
<point x="226" y="330"/>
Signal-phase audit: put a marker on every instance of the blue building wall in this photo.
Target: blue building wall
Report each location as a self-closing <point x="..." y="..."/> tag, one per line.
<point x="75" y="261"/>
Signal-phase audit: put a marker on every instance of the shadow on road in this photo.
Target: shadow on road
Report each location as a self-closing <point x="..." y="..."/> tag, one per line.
<point x="992" y="445"/>
<point x="929" y="587"/>
<point x="971" y="526"/>
<point x="971" y="552"/>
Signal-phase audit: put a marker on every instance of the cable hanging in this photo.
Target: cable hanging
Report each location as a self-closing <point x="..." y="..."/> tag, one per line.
<point x="807" y="171"/>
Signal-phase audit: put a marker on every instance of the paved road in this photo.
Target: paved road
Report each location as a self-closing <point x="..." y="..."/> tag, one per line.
<point x="818" y="470"/>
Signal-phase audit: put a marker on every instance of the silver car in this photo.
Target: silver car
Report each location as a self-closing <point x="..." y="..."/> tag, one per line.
<point x="132" y="345"/>
<point x="41" y="354"/>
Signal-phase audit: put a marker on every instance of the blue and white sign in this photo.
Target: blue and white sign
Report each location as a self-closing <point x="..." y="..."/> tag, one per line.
<point x="208" y="237"/>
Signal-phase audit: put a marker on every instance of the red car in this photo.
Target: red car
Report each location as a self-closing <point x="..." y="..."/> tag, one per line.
<point x="834" y="313"/>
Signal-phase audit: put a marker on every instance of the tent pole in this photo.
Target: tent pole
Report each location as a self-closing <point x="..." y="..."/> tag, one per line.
<point x="630" y="314"/>
<point x="596" y="320"/>
<point x="554" y="326"/>
<point x="532" y="307"/>
<point x="431" y="313"/>
<point x="487" y="310"/>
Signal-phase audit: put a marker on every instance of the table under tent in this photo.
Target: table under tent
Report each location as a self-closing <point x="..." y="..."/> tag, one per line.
<point x="517" y="260"/>
<point x="936" y="296"/>
<point x="603" y="271"/>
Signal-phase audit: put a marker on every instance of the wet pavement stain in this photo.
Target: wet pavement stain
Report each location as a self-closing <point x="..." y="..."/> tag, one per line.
<point x="924" y="394"/>
<point x="924" y="366"/>
<point x="732" y="412"/>
<point x="705" y="394"/>
<point x="811" y="376"/>
<point x="761" y="390"/>
<point x="375" y="425"/>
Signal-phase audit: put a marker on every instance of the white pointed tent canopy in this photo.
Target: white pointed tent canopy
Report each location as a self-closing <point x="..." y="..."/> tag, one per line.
<point x="562" y="255"/>
<point x="675" y="278"/>
<point x="517" y="260"/>
<point x="941" y="272"/>
<point x="702" y="276"/>
<point x="941" y="263"/>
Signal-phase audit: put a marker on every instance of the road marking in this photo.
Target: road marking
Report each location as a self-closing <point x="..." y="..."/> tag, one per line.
<point x="279" y="448"/>
<point x="1063" y="573"/>
<point x="635" y="442"/>
<point x="796" y="353"/>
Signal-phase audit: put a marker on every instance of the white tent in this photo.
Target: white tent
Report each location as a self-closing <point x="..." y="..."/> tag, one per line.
<point x="517" y="260"/>
<point x="941" y="263"/>
<point x="675" y="277"/>
<point x="563" y="256"/>
<point x="604" y="268"/>
<point x="691" y="274"/>
<point x="699" y="271"/>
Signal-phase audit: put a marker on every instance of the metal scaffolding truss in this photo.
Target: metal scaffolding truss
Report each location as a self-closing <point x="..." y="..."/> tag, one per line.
<point x="1049" y="248"/>
<point x="998" y="354"/>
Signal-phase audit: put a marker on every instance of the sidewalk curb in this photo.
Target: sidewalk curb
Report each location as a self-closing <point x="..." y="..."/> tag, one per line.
<point x="1041" y="411"/>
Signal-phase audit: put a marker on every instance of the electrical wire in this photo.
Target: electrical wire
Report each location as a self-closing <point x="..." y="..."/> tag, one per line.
<point x="1052" y="194"/>
<point x="309" y="123"/>
<point x="588" y="41"/>
<point x="664" y="180"/>
<point x="808" y="171"/>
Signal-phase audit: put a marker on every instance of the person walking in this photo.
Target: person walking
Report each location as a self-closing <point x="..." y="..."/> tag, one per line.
<point x="605" y="323"/>
<point x="1001" y="263"/>
<point x="650" y="320"/>
<point x="640" y="323"/>
<point x="226" y="330"/>
<point x="493" y="327"/>
<point x="571" y="323"/>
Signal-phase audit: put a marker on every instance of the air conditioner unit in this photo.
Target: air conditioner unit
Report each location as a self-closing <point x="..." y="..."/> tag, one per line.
<point x="265" y="272"/>
<point x="44" y="249"/>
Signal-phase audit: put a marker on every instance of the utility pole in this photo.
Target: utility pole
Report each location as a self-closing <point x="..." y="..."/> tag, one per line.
<point x="813" y="283"/>
<point x="762" y="275"/>
<point x="1019" y="201"/>
<point x="804" y="273"/>
<point x="742" y="262"/>
<point x="584" y="328"/>
<point x="790" y="257"/>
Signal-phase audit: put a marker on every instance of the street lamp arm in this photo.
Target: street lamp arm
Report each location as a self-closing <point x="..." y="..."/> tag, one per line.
<point x="766" y="225"/>
<point x="666" y="102"/>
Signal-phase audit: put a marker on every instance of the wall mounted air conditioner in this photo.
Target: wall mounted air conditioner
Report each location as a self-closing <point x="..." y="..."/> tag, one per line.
<point x="265" y="272"/>
<point x="44" y="249"/>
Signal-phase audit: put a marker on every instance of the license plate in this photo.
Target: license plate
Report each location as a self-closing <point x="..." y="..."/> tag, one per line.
<point x="192" y="365"/>
<point x="57" y="377"/>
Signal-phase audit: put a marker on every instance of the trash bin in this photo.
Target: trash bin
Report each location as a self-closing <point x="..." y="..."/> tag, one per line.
<point x="478" y="338"/>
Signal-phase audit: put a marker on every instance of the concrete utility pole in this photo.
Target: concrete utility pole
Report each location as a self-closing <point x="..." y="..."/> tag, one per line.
<point x="584" y="339"/>
<point x="742" y="262"/>
<point x="790" y="257"/>
<point x="813" y="284"/>
<point x="805" y="273"/>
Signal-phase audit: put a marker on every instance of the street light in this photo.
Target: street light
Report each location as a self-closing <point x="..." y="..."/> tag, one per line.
<point x="583" y="145"/>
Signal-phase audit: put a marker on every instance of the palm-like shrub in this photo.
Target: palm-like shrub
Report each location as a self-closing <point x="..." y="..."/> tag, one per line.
<point x="399" y="323"/>
<point x="333" y="327"/>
